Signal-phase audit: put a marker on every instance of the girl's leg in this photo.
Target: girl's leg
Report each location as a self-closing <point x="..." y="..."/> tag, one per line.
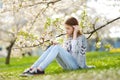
<point x="66" y="57"/>
<point x="69" y="63"/>
<point x="42" y="57"/>
<point x="61" y="62"/>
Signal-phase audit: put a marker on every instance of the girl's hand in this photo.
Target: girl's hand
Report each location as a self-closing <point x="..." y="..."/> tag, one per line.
<point x="75" y="31"/>
<point x="76" y="28"/>
<point x="54" y="43"/>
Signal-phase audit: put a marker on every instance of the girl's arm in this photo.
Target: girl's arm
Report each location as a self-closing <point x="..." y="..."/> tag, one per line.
<point x="74" y="40"/>
<point x="75" y="32"/>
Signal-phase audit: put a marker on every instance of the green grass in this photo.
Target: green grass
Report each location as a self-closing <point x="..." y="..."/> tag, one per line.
<point x="107" y="68"/>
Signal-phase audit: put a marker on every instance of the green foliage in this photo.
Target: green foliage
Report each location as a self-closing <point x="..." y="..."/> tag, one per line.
<point x="48" y="23"/>
<point x="52" y="28"/>
<point x="107" y="46"/>
<point x="51" y="22"/>
<point x="85" y="20"/>
<point x="98" y="45"/>
<point x="27" y="35"/>
<point x="60" y="40"/>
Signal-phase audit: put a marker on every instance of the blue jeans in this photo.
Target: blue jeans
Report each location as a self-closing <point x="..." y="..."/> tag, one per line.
<point x="63" y="57"/>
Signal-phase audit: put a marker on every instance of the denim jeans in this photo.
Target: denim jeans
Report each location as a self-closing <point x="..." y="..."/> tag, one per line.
<point x="63" y="57"/>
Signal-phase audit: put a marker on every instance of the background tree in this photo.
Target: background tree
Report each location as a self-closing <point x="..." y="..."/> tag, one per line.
<point x="30" y="23"/>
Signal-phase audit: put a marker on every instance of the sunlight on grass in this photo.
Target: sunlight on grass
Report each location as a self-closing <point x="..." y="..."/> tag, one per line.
<point x="107" y="66"/>
<point x="114" y="50"/>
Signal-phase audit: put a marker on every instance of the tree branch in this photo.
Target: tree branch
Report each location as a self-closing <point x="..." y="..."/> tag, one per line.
<point x="39" y="43"/>
<point x="91" y="33"/>
<point x="102" y="26"/>
<point x="93" y="28"/>
<point x="43" y="10"/>
<point x="1" y="30"/>
<point x="43" y="2"/>
<point x="32" y="45"/>
<point x="31" y="5"/>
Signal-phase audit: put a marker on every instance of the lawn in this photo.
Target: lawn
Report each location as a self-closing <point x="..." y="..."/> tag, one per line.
<point x="107" y="68"/>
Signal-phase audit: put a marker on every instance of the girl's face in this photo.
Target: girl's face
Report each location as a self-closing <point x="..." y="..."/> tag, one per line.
<point x="69" y="29"/>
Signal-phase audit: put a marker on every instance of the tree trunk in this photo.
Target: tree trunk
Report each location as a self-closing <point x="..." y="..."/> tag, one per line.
<point x="9" y="49"/>
<point x="96" y="41"/>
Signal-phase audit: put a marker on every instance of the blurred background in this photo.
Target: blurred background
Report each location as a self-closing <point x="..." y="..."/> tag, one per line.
<point x="28" y="26"/>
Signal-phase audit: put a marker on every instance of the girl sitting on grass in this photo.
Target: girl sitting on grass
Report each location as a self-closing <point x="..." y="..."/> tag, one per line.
<point x="71" y="56"/>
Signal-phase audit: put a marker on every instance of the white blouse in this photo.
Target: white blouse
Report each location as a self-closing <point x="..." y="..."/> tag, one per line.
<point x="77" y="48"/>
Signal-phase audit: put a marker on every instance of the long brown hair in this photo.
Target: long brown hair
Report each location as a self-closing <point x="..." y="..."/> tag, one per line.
<point x="72" y="22"/>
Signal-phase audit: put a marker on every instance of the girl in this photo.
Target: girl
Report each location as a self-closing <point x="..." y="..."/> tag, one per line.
<point x="70" y="57"/>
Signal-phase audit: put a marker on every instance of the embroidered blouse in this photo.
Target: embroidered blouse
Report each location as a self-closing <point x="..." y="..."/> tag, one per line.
<point x="77" y="48"/>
